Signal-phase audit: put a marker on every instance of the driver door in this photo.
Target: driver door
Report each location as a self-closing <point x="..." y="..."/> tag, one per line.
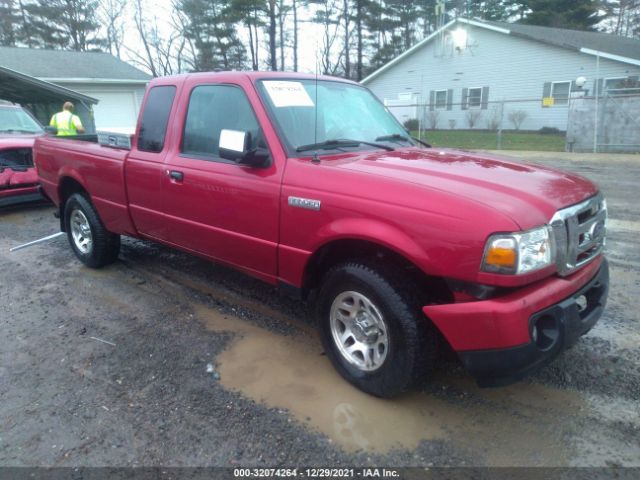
<point x="216" y="207"/>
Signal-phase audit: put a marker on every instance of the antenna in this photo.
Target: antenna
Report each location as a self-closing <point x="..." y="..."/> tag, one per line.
<point x="316" y="158"/>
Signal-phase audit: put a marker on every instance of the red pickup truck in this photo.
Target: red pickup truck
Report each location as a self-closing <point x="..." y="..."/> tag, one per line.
<point x="311" y="184"/>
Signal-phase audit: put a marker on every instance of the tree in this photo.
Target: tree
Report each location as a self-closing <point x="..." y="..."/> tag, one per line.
<point x="111" y="15"/>
<point x="272" y="32"/>
<point x="250" y="13"/>
<point x="283" y="12"/>
<point x="162" y="53"/>
<point x="211" y="26"/>
<point x="473" y="117"/>
<point x="328" y="15"/>
<point x="67" y="24"/>
<point x="517" y="117"/>
<point x="623" y="17"/>
<point x="8" y="22"/>
<point x="294" y="9"/>
<point x="571" y="14"/>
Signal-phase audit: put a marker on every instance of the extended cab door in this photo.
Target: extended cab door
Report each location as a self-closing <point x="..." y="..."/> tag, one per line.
<point x="144" y="171"/>
<point x="214" y="206"/>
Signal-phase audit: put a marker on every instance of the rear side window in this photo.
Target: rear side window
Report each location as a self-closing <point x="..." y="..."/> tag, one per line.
<point x="156" y="118"/>
<point x="213" y="108"/>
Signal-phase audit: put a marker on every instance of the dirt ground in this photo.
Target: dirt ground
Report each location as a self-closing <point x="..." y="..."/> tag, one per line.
<point x="165" y="359"/>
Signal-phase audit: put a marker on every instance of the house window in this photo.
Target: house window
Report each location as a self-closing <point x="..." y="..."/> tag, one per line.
<point x="622" y="86"/>
<point x="475" y="97"/>
<point x="613" y="85"/>
<point x="441" y="99"/>
<point x="560" y="92"/>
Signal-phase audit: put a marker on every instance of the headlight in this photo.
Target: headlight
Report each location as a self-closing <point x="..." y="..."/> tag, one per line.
<point x="517" y="253"/>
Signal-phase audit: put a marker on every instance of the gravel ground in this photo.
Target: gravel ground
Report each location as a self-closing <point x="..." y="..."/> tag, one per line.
<point x="165" y="359"/>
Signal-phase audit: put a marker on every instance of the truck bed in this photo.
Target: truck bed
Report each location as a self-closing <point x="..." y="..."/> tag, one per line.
<point x="100" y="170"/>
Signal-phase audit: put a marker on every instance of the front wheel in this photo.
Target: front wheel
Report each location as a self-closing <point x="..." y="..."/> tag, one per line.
<point x="373" y="330"/>
<point x="92" y="243"/>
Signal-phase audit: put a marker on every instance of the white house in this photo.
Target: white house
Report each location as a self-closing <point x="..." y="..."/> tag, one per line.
<point x="118" y="86"/>
<point x="490" y="70"/>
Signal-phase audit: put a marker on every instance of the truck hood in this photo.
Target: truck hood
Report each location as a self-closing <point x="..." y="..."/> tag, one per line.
<point x="16" y="141"/>
<point x="528" y="194"/>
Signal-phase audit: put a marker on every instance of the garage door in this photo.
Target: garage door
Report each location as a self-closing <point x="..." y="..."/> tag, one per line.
<point x="116" y="111"/>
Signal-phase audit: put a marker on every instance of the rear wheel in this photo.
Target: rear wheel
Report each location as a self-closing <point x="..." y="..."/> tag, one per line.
<point x="92" y="243"/>
<point x="373" y="330"/>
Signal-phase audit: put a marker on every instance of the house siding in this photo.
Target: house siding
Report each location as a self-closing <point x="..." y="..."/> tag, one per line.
<point x="514" y="69"/>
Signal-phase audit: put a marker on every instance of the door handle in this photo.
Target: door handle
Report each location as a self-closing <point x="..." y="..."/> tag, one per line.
<point x="175" y="175"/>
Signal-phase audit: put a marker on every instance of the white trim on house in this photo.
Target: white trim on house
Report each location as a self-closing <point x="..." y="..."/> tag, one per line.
<point x="610" y="56"/>
<point x="484" y="25"/>
<point x="95" y="80"/>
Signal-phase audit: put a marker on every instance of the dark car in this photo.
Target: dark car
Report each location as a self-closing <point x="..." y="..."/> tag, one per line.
<point x="18" y="176"/>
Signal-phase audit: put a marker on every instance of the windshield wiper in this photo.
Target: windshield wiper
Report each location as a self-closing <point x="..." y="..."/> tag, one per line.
<point x="396" y="137"/>
<point x="339" y="143"/>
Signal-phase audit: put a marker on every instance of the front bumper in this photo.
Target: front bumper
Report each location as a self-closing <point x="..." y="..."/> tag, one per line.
<point x="512" y="320"/>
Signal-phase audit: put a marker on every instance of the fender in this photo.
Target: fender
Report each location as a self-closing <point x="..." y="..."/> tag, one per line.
<point x="294" y="262"/>
<point x="70" y="172"/>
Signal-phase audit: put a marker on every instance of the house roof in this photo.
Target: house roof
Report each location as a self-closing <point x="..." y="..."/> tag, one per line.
<point x="61" y="65"/>
<point x="576" y="39"/>
<point x="614" y="47"/>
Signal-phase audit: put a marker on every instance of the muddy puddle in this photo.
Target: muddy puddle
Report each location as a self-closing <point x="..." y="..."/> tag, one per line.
<point x="507" y="426"/>
<point x="520" y="425"/>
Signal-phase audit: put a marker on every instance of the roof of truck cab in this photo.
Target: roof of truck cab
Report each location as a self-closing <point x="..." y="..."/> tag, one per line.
<point x="252" y="75"/>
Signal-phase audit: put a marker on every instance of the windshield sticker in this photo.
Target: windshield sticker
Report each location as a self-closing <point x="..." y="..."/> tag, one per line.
<point x="288" y="94"/>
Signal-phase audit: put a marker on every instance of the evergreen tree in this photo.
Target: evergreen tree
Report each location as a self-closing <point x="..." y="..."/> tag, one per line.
<point x="8" y="22"/>
<point x="66" y="24"/>
<point x="571" y="14"/>
<point x="211" y="26"/>
<point x="251" y="14"/>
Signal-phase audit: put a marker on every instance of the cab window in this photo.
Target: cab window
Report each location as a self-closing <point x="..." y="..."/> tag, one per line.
<point x="213" y="108"/>
<point x="156" y="118"/>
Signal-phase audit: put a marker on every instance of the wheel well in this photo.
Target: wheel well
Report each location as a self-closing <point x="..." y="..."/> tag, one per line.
<point x="68" y="186"/>
<point x="431" y="289"/>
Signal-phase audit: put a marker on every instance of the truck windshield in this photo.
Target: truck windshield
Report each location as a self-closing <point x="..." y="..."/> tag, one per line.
<point x="347" y="116"/>
<point x="16" y="120"/>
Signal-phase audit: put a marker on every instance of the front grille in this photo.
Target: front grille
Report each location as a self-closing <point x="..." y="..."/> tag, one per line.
<point x="579" y="233"/>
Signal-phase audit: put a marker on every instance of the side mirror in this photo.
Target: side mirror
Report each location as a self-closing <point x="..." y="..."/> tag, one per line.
<point x="234" y="145"/>
<point x="50" y="130"/>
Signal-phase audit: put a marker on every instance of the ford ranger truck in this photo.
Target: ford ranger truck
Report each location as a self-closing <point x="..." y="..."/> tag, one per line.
<point x="310" y="184"/>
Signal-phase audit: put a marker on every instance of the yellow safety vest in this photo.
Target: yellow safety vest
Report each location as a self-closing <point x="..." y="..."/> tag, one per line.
<point x="65" y="122"/>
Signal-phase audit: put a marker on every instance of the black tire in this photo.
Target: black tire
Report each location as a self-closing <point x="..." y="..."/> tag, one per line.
<point x="412" y="339"/>
<point x="105" y="245"/>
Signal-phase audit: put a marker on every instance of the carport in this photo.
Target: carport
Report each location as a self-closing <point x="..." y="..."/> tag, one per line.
<point x="43" y="99"/>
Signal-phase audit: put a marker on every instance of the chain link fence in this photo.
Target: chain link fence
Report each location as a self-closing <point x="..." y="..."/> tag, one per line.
<point x="607" y="123"/>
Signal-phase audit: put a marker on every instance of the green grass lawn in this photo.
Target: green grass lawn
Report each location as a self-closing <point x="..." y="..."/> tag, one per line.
<point x="486" y="140"/>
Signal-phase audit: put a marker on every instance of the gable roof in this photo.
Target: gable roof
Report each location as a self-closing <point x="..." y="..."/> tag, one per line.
<point x="614" y="47"/>
<point x="68" y="65"/>
<point x="576" y="39"/>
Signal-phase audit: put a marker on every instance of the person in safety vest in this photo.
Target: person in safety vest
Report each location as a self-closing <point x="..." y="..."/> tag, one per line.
<point x="66" y="122"/>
